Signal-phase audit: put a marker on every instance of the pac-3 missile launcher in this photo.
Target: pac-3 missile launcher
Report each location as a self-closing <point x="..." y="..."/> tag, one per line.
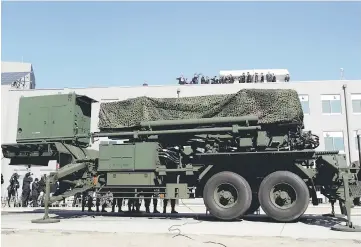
<point x="238" y="152"/>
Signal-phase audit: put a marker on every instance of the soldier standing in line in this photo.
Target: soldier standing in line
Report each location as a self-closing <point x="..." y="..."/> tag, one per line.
<point x="2" y="179"/>
<point x="106" y="200"/>
<point x="117" y="201"/>
<point x="172" y="204"/>
<point x="26" y="189"/>
<point x="147" y="204"/>
<point x="86" y="199"/>
<point x="83" y="201"/>
<point x="35" y="192"/>
<point x="98" y="198"/>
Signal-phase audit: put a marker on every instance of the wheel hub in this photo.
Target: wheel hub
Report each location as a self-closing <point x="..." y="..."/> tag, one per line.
<point x="283" y="196"/>
<point x="225" y="195"/>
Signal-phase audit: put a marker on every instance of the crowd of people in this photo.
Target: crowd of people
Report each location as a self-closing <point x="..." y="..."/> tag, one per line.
<point x="229" y="79"/>
<point x="32" y="190"/>
<point x="33" y="195"/>
<point x="114" y="200"/>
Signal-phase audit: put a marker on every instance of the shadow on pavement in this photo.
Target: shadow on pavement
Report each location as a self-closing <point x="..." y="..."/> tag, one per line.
<point x="317" y="220"/>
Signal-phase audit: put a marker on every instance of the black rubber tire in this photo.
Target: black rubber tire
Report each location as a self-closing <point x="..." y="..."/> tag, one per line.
<point x="302" y="196"/>
<point x="244" y="197"/>
<point x="255" y="205"/>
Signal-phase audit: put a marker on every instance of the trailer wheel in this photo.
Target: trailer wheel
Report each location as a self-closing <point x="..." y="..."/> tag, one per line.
<point x="254" y="205"/>
<point x="227" y="195"/>
<point x="284" y="196"/>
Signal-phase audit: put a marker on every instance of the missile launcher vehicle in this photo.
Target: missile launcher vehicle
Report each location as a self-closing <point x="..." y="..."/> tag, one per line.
<point x="238" y="152"/>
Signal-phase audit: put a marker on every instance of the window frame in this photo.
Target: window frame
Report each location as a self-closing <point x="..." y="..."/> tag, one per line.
<point x="334" y="134"/>
<point x="305" y="100"/>
<point x="329" y="98"/>
<point x="354" y="97"/>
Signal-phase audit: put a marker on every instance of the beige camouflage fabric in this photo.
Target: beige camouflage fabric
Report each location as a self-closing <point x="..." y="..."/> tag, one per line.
<point x="272" y="106"/>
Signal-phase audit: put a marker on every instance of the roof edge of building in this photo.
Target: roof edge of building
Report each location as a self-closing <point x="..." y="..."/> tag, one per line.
<point x="187" y="85"/>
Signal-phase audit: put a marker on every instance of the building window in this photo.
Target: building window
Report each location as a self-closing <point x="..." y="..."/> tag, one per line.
<point x="305" y="103"/>
<point x="356" y="103"/>
<point x="331" y="104"/>
<point x="334" y="141"/>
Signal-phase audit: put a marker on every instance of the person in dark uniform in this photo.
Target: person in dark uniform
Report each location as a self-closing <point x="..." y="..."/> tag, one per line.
<point x="35" y="192"/>
<point x="172" y="204"/>
<point x="42" y="184"/>
<point x="287" y="78"/>
<point x="249" y="78"/>
<point x="262" y="77"/>
<point x="243" y="78"/>
<point x="203" y="80"/>
<point x="118" y="202"/>
<point x="85" y="202"/>
<point x="106" y="200"/>
<point x="256" y="77"/>
<point x="269" y="77"/>
<point x="207" y="80"/>
<point x="77" y="196"/>
<point x="133" y="205"/>
<point x="89" y="200"/>
<point x="26" y="189"/>
<point x="273" y="78"/>
<point x="195" y="79"/>
<point x="181" y="80"/>
<point x="2" y="178"/>
<point x="13" y="188"/>
<point x="231" y="79"/>
<point x="147" y="204"/>
<point x="42" y="187"/>
<point x="221" y="79"/>
<point x="98" y="198"/>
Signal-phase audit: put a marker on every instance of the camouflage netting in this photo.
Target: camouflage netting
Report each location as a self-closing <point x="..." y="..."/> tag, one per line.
<point x="272" y="106"/>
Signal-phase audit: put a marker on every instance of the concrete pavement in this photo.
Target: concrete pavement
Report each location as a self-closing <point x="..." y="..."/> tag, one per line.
<point x="191" y="227"/>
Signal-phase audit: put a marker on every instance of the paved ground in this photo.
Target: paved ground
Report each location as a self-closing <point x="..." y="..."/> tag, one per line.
<point x="190" y="228"/>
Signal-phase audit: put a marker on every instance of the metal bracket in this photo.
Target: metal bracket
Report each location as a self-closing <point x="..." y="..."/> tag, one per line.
<point x="349" y="227"/>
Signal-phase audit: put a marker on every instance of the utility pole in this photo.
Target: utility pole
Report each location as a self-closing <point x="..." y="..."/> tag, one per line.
<point x="345" y="95"/>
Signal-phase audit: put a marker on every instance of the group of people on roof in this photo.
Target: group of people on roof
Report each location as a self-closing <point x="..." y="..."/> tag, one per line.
<point x="229" y="79"/>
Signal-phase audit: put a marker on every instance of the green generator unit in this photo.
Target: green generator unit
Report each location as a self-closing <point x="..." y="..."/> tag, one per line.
<point x="54" y="117"/>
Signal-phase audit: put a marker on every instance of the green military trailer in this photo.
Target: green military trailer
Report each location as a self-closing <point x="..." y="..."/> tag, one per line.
<point x="238" y="152"/>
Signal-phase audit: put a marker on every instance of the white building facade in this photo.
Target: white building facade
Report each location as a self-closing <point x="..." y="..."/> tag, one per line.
<point x="323" y="103"/>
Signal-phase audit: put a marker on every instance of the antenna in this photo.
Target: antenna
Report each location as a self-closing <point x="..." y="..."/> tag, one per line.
<point x="341" y="73"/>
